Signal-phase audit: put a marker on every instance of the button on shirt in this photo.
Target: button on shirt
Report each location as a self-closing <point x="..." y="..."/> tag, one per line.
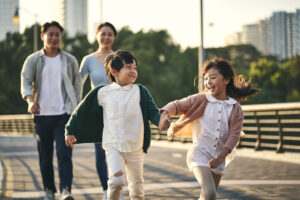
<point x="122" y="117"/>
<point x="211" y="131"/>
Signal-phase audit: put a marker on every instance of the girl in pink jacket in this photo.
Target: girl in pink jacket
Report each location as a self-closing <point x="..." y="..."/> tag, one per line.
<point x="213" y="119"/>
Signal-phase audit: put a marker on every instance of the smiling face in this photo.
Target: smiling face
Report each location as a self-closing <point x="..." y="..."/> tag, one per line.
<point x="51" y="38"/>
<point x="127" y="74"/>
<point x="105" y="37"/>
<point x="215" y="84"/>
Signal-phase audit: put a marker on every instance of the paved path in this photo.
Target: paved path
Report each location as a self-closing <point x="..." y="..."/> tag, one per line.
<point x="248" y="177"/>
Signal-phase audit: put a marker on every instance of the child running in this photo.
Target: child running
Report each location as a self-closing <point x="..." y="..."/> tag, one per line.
<point x="117" y="115"/>
<point x="214" y="120"/>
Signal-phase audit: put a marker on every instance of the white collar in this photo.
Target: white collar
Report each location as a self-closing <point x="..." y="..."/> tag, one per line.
<point x="125" y="87"/>
<point x="214" y="100"/>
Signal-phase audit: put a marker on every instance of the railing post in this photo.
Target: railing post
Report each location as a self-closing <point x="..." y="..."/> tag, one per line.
<point x="258" y="141"/>
<point x="279" y="148"/>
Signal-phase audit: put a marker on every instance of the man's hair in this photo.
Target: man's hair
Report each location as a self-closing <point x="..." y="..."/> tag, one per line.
<point x="47" y="25"/>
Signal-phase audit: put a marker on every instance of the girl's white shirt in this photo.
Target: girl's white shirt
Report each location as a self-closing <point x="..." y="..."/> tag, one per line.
<point x="211" y="131"/>
<point x="122" y="117"/>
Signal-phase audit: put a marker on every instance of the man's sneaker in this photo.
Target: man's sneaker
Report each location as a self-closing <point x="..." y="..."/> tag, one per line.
<point x="49" y="195"/>
<point x="66" y="195"/>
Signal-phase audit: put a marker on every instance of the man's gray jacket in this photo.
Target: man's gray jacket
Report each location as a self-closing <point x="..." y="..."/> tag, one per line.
<point x="32" y="72"/>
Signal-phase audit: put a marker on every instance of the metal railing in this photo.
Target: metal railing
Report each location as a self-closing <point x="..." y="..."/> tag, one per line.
<point x="267" y="126"/>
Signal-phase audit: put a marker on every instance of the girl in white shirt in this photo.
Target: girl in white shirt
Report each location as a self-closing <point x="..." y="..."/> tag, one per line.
<point x="215" y="120"/>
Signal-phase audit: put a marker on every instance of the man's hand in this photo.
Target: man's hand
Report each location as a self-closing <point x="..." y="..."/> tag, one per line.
<point x="70" y="140"/>
<point x="33" y="106"/>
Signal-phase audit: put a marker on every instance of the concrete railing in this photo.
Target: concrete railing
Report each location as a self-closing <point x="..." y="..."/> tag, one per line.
<point x="267" y="126"/>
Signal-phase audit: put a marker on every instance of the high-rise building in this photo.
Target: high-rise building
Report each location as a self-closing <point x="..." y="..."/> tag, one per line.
<point x="264" y="35"/>
<point x="278" y="28"/>
<point x="298" y="32"/>
<point x="250" y="35"/>
<point x="291" y="25"/>
<point x="278" y="35"/>
<point x="72" y="14"/>
<point x="7" y="11"/>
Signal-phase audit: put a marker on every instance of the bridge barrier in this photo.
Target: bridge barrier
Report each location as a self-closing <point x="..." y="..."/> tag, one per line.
<point x="267" y="126"/>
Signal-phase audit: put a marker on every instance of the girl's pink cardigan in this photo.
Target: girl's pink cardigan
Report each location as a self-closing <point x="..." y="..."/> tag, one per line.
<point x="192" y="108"/>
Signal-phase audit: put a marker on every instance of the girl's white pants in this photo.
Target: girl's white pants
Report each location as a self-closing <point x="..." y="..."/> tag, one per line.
<point x="121" y="164"/>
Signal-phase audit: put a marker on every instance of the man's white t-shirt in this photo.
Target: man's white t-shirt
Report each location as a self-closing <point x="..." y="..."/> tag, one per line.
<point x="52" y="93"/>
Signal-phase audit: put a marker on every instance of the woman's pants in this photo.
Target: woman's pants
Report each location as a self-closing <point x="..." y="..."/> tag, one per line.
<point x="101" y="165"/>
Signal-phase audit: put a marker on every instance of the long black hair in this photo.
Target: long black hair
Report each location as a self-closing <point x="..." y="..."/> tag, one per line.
<point x="237" y="88"/>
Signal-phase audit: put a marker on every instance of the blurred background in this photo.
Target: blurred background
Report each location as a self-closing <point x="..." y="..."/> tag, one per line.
<point x="260" y="38"/>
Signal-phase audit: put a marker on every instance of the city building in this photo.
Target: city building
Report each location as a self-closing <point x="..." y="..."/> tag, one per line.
<point x="278" y="28"/>
<point x="278" y="35"/>
<point x="298" y="32"/>
<point x="7" y="11"/>
<point x="72" y="14"/>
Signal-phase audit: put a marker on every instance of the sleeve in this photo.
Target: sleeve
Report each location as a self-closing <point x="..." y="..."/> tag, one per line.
<point x="84" y="69"/>
<point x="152" y="111"/>
<point x="181" y="106"/>
<point x="71" y="126"/>
<point x="76" y="80"/>
<point x="27" y="77"/>
<point x="100" y="97"/>
<point x="235" y="128"/>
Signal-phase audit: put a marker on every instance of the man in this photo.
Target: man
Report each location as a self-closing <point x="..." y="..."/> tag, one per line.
<point x="51" y="85"/>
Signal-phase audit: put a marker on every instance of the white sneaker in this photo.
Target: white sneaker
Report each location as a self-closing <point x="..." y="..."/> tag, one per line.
<point x="66" y="195"/>
<point x="49" y="195"/>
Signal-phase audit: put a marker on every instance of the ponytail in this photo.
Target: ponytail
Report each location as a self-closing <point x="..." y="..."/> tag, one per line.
<point x="239" y="89"/>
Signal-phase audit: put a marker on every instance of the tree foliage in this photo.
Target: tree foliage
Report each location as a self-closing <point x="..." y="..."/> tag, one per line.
<point x="168" y="71"/>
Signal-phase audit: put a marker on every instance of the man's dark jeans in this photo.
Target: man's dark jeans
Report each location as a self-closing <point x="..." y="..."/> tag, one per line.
<point x="49" y="129"/>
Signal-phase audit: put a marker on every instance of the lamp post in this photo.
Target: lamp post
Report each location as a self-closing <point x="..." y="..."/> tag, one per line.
<point x="201" y="53"/>
<point x="16" y="20"/>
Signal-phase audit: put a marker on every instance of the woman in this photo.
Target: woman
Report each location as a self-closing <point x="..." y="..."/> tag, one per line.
<point x="92" y="65"/>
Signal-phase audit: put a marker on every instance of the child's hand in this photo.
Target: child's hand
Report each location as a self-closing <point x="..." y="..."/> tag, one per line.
<point x="165" y="120"/>
<point x="70" y="140"/>
<point x="215" y="162"/>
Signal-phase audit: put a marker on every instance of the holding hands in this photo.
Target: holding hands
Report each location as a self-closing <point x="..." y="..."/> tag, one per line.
<point x="165" y="120"/>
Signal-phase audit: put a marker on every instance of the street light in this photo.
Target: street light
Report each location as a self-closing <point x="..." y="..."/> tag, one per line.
<point x="16" y="21"/>
<point x="201" y="53"/>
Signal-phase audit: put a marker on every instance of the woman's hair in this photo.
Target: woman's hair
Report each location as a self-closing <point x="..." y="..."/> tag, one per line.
<point x="116" y="61"/>
<point x="106" y="24"/>
<point x="237" y="88"/>
<point x="47" y="25"/>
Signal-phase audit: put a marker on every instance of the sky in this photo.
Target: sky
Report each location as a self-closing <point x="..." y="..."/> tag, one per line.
<point x="181" y="18"/>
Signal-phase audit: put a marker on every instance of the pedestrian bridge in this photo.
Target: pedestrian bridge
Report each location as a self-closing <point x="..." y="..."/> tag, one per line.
<point x="267" y="126"/>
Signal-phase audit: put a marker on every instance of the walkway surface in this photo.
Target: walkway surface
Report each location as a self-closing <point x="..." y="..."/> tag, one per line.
<point x="251" y="176"/>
